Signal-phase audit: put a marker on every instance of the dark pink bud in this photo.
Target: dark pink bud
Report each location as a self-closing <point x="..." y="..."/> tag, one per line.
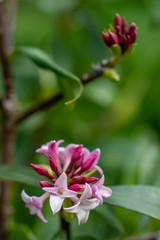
<point x="132" y="28"/>
<point x="83" y="180"/>
<point x="76" y="155"/>
<point x="79" y="162"/>
<point x="45" y="184"/>
<point x="133" y="32"/>
<point x="113" y="38"/>
<point x="89" y="162"/>
<point x="120" y="35"/>
<point x="106" y="39"/>
<point x="124" y="26"/>
<point x="90" y="179"/>
<point x="117" y="21"/>
<point x="41" y="171"/>
<point x="127" y="42"/>
<point x="76" y="187"/>
<point x="54" y="166"/>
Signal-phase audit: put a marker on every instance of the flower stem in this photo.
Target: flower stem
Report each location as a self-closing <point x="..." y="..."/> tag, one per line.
<point x="65" y="226"/>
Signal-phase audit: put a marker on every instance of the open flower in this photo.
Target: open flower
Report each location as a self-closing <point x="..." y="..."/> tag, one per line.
<point x="59" y="192"/>
<point x="71" y="171"/>
<point x="84" y="205"/>
<point x="99" y="191"/>
<point x="35" y="204"/>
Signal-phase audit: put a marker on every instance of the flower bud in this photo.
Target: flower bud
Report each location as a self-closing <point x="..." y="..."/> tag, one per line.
<point x="113" y="38"/>
<point x="117" y="21"/>
<point x="120" y="35"/>
<point x="76" y="187"/>
<point x="76" y="155"/>
<point x="54" y="166"/>
<point x="106" y="38"/>
<point x="124" y="26"/>
<point x="83" y="180"/>
<point x="133" y="32"/>
<point x="45" y="184"/>
<point x="42" y="171"/>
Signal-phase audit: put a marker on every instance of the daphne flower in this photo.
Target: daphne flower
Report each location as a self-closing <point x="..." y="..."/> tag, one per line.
<point x="59" y="192"/>
<point x="69" y="173"/>
<point x="84" y="205"/>
<point x="99" y="191"/>
<point x="35" y="204"/>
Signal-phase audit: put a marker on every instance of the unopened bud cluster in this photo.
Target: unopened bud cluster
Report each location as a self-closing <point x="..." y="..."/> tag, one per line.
<point x="121" y="34"/>
<point x="70" y="178"/>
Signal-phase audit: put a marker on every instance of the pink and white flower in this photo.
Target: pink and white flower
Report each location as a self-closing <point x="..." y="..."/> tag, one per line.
<point x="59" y="192"/>
<point x="84" y="205"/>
<point x="35" y="204"/>
<point x="99" y="190"/>
<point x="70" y="175"/>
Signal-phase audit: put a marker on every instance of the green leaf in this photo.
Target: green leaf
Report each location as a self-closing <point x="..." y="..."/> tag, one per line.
<point x="19" y="173"/>
<point x="110" y="216"/>
<point x="42" y="60"/>
<point x="139" y="198"/>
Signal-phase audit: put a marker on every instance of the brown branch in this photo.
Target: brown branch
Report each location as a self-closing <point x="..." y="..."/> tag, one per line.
<point x="151" y="236"/>
<point x="8" y="111"/>
<point x="43" y="105"/>
<point x="86" y="78"/>
<point x="4" y="51"/>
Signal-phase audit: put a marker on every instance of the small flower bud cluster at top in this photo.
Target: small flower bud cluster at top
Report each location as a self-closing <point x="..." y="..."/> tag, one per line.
<point x="69" y="177"/>
<point x="121" y="34"/>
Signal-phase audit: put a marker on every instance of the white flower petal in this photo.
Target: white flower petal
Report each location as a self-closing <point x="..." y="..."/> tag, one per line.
<point x="105" y="191"/>
<point x="53" y="190"/>
<point x="87" y="193"/>
<point x="61" y="182"/>
<point x="82" y="216"/>
<point x="26" y="198"/>
<point x="69" y="193"/>
<point x="73" y="209"/>
<point x="32" y="209"/>
<point x="100" y="182"/>
<point x="55" y="203"/>
<point x="40" y="215"/>
<point x="90" y="204"/>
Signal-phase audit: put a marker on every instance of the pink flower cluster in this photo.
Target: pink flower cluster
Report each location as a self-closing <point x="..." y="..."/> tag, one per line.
<point x="70" y="176"/>
<point x="121" y="34"/>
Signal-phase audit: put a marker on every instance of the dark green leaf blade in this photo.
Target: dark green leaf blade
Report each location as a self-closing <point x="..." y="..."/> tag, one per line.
<point x="20" y="173"/>
<point x="42" y="60"/>
<point x="139" y="198"/>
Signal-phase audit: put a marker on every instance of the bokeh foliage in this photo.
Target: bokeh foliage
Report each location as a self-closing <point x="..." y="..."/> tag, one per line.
<point x="122" y="119"/>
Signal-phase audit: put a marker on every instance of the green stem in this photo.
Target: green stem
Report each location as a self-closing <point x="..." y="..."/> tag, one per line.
<point x="65" y="226"/>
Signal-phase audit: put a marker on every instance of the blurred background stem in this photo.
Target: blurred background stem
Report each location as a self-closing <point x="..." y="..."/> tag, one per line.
<point x="8" y="109"/>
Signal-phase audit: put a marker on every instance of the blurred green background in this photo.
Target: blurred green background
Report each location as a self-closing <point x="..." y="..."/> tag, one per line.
<point x="123" y="119"/>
